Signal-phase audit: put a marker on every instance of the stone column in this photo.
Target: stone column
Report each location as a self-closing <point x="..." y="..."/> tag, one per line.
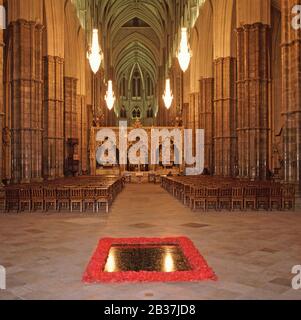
<point x="253" y="43"/>
<point x="53" y="139"/>
<point x="206" y="119"/>
<point x="291" y="101"/>
<point x="71" y="130"/>
<point x="26" y="100"/>
<point x="225" y="139"/>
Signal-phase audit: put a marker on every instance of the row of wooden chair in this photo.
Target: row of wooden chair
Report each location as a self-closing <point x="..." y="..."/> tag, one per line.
<point x="83" y="196"/>
<point x="230" y="194"/>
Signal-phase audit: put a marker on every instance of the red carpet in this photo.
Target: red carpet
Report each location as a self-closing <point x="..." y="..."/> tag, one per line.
<point x="97" y="270"/>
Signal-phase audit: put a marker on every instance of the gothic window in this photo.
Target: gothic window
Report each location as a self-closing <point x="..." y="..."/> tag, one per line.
<point x="149" y="87"/>
<point x="123" y="87"/>
<point x="136" y="85"/>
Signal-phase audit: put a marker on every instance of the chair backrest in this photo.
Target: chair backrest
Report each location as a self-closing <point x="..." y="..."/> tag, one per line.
<point x="225" y="192"/>
<point x="49" y="193"/>
<point x="76" y="193"/>
<point x="63" y="193"/>
<point x="288" y="191"/>
<point x="89" y="193"/>
<point x="37" y="193"/>
<point x="212" y="192"/>
<point x="276" y="191"/>
<point x="237" y="192"/>
<point x="101" y="192"/>
<point x="25" y="194"/>
<point x="263" y="191"/>
<point x="250" y="191"/>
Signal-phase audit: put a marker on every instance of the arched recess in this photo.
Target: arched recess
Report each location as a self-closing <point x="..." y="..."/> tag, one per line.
<point x="53" y="106"/>
<point x="224" y="23"/>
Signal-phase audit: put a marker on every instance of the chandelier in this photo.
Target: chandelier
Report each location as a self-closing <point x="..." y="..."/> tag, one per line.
<point x="167" y="97"/>
<point x="94" y="54"/>
<point x="184" y="54"/>
<point x="110" y="96"/>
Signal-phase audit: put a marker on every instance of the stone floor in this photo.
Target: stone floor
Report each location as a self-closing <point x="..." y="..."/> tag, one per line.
<point x="252" y="253"/>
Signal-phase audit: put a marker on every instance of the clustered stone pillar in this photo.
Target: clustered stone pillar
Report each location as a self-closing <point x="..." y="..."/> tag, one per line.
<point x="291" y="102"/>
<point x="225" y="139"/>
<point x="253" y="43"/>
<point x="53" y="140"/>
<point x="26" y="83"/>
<point x="206" y="120"/>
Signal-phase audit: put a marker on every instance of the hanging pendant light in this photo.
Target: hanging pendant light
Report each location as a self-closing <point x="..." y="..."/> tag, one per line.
<point x="110" y="96"/>
<point x="95" y="55"/>
<point x="167" y="97"/>
<point x="184" y="54"/>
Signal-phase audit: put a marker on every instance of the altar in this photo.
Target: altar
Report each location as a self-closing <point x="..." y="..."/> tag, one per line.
<point x="145" y="169"/>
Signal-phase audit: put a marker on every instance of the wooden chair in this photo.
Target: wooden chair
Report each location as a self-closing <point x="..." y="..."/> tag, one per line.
<point x="63" y="198"/>
<point x="212" y="198"/>
<point x="76" y="198"/>
<point x="225" y="198"/>
<point x="37" y="198"/>
<point x="88" y="197"/>
<point x="250" y="193"/>
<point x="12" y="199"/>
<point x="288" y="197"/>
<point x="50" y="199"/>
<point x="276" y="197"/>
<point x="237" y="198"/>
<point x="102" y="197"/>
<point x="263" y="198"/>
<point x="24" y="199"/>
<point x="198" y="197"/>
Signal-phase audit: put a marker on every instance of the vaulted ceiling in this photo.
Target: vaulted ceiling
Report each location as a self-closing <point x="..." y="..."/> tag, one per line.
<point x="137" y="32"/>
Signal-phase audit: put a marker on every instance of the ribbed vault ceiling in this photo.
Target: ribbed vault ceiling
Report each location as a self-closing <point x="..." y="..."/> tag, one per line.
<point x="134" y="31"/>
